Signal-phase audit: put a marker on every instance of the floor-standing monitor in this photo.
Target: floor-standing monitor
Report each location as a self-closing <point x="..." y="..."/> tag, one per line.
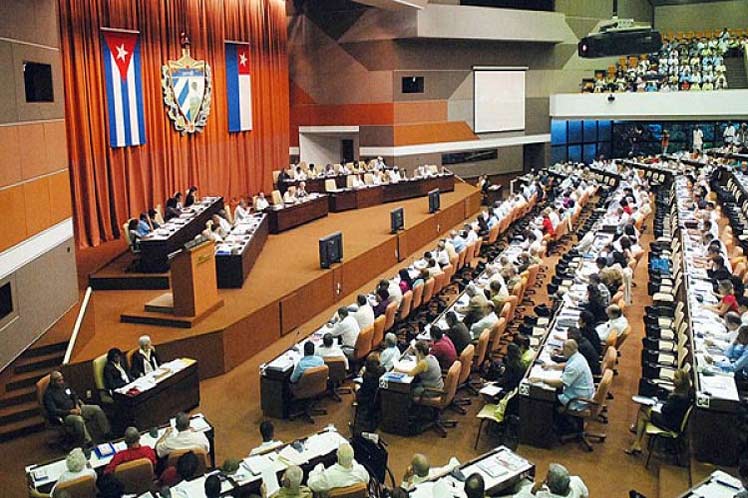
<point x="331" y="249"/>
<point x="434" y="202"/>
<point x="397" y="220"/>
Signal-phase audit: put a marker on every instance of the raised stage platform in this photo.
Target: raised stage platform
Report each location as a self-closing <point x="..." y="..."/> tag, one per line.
<point x="285" y="288"/>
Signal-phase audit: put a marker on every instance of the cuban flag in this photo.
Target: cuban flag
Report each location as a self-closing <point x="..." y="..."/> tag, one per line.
<point x="238" y="87"/>
<point x="124" y="88"/>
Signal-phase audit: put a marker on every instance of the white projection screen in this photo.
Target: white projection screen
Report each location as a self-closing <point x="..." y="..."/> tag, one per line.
<point x="498" y="99"/>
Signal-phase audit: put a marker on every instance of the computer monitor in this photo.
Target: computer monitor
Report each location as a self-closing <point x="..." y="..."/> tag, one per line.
<point x="330" y="249"/>
<point x="434" y="202"/>
<point x="397" y="220"/>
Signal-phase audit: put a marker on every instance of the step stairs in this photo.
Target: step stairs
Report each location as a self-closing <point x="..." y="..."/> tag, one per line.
<point x="19" y="409"/>
<point x="736" y="73"/>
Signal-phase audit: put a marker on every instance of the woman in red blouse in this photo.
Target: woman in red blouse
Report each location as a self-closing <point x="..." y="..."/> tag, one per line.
<point x="728" y="302"/>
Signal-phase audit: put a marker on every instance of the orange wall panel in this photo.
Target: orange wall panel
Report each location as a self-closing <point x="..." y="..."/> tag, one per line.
<point x="10" y="161"/>
<point x="55" y="145"/>
<point x="36" y="197"/>
<point x="339" y="115"/>
<point x="33" y="150"/>
<point x="13" y="220"/>
<point x="60" y="203"/>
<point x="449" y="131"/>
<point x="421" y="112"/>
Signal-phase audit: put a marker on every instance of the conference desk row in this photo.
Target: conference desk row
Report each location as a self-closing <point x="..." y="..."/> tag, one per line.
<point x="396" y="389"/>
<point x="318" y="184"/>
<point x="236" y="256"/>
<point x="501" y="470"/>
<point x="538" y="400"/>
<point x="373" y="195"/>
<point x="716" y="413"/>
<point x="43" y="476"/>
<point x="156" y="247"/>
<point x="318" y="205"/>
<point x="154" y="398"/>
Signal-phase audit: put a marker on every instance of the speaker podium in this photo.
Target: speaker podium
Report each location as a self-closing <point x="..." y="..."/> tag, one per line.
<point x="194" y="291"/>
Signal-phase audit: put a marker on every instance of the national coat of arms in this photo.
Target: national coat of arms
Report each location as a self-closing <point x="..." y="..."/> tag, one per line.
<point x="188" y="89"/>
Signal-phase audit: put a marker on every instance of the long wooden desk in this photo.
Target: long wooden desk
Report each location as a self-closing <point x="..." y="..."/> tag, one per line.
<point x="395" y="389"/>
<point x="500" y="468"/>
<point x="537" y="400"/>
<point x="357" y="198"/>
<point x="236" y="256"/>
<point x="285" y="217"/>
<point x="318" y="184"/>
<point x="43" y="476"/>
<point x="716" y="413"/>
<point x="174" y="392"/>
<point x="172" y="235"/>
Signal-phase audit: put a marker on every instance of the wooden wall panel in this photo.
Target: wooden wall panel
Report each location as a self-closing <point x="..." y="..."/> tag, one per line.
<point x="33" y="150"/>
<point x="13" y="219"/>
<point x="421" y="112"/>
<point x="451" y="216"/>
<point x="36" y="199"/>
<point x="251" y="335"/>
<point x="306" y="302"/>
<point x="418" y="235"/>
<point x="55" y="142"/>
<point x="472" y="204"/>
<point x="60" y="204"/>
<point x="10" y="152"/>
<point x="207" y="349"/>
<point x="364" y="267"/>
<point x="424" y="133"/>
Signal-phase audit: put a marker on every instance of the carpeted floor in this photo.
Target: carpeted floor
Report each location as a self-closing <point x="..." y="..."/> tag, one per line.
<point x="231" y="403"/>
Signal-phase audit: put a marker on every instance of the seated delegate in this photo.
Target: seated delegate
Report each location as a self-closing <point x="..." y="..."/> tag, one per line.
<point x="133" y="451"/>
<point x="145" y="359"/>
<point x="115" y="373"/>
<point x="181" y="437"/>
<point x="61" y="402"/>
<point x="427" y="372"/>
<point x="346" y="472"/>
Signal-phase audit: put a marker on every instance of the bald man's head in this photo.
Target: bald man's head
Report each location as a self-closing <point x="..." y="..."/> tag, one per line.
<point x="420" y="465"/>
<point x="570" y="347"/>
<point x="345" y="455"/>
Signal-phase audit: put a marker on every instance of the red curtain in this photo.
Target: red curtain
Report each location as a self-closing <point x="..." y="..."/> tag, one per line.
<point x="111" y="184"/>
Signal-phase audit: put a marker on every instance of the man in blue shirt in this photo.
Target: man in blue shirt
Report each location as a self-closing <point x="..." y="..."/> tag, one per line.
<point x="458" y="241"/>
<point x="309" y="360"/>
<point x="143" y="227"/>
<point x="576" y="378"/>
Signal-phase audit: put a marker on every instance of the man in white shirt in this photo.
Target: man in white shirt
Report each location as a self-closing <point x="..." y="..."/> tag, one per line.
<point x="553" y="215"/>
<point x="346" y="472"/>
<point x="698" y="139"/>
<point x="223" y="222"/>
<point x="267" y="431"/>
<point x="261" y="203"/>
<point x="347" y="329"/>
<point x="729" y="134"/>
<point x="472" y="235"/>
<point x="396" y="293"/>
<point x="616" y="323"/>
<point x="184" y="438"/>
<point x="390" y="354"/>
<point x="328" y="349"/>
<point x="289" y="197"/>
<point x="364" y="313"/>
<point x="442" y="256"/>
<point x="558" y="483"/>
<point x="242" y="211"/>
